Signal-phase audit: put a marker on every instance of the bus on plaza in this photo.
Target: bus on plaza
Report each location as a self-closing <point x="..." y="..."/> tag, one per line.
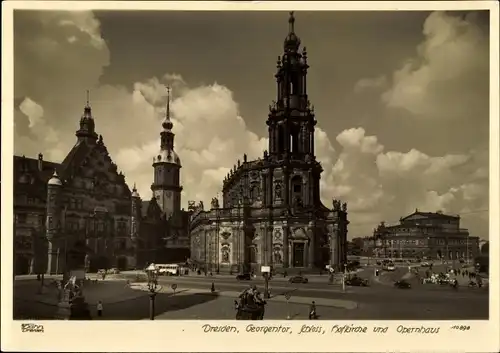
<point x="168" y="269"/>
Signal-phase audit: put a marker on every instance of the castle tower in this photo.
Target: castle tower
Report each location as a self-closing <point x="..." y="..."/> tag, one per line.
<point x="291" y="118"/>
<point x="53" y="222"/>
<point x="136" y="213"/>
<point x="87" y="125"/>
<point x="167" y="164"/>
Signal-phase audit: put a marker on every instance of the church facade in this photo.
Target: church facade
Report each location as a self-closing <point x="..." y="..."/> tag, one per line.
<point x="271" y="212"/>
<point x="85" y="202"/>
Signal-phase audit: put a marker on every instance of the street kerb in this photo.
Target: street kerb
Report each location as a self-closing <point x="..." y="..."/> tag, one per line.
<point x="335" y="303"/>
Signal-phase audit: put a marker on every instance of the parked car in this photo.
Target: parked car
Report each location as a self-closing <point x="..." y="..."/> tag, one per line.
<point x="389" y="267"/>
<point x="298" y="279"/>
<point x="356" y="281"/>
<point x="425" y="264"/>
<point x="402" y="284"/>
<point x="244" y="277"/>
<point x="114" y="271"/>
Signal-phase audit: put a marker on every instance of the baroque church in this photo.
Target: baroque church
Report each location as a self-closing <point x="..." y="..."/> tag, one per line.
<point x="84" y="202"/>
<point x="271" y="210"/>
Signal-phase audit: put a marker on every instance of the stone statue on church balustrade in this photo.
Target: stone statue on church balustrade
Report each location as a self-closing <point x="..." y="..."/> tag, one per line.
<point x="344" y="207"/>
<point x="336" y="205"/>
<point x="215" y="203"/>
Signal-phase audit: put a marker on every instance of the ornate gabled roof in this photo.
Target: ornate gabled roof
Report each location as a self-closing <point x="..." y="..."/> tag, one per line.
<point x="144" y="208"/>
<point x="74" y="158"/>
<point x="152" y="208"/>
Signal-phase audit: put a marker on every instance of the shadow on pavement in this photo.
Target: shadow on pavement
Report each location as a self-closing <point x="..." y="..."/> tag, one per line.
<point x="120" y="302"/>
<point x="138" y="308"/>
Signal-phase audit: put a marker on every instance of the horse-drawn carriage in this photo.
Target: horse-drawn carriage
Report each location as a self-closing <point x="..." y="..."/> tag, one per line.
<point x="249" y="307"/>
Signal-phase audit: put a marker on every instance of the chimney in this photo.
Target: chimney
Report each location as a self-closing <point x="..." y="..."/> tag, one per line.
<point x="40" y="162"/>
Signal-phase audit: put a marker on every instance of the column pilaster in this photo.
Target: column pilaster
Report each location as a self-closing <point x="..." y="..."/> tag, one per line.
<point x="286" y="244"/>
<point x="312" y="244"/>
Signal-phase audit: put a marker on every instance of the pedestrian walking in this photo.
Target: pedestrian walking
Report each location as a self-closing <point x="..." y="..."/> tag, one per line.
<point x="99" y="308"/>
<point x="312" y="311"/>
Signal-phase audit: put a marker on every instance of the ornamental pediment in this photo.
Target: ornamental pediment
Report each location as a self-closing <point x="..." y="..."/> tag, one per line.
<point x="300" y="234"/>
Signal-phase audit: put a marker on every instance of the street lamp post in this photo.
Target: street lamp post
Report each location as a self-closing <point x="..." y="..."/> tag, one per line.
<point x="238" y="239"/>
<point x="217" y="229"/>
<point x="344" y="277"/>
<point x="206" y="252"/>
<point x="266" y="285"/>
<point x="467" y="250"/>
<point x="153" y="290"/>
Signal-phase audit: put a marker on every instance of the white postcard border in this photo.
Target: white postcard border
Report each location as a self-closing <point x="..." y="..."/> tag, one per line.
<point x="177" y="336"/>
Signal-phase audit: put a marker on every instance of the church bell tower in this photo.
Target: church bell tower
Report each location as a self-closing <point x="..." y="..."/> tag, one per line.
<point x="167" y="164"/>
<point x="291" y="117"/>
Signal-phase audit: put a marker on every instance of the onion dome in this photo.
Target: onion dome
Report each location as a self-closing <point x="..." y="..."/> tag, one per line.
<point x="135" y="193"/>
<point x="55" y="181"/>
<point x="167" y="156"/>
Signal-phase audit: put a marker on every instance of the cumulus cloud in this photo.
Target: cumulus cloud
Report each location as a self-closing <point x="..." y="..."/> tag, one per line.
<point x="446" y="78"/>
<point x="210" y="137"/>
<point x="384" y="185"/>
<point x="67" y="50"/>
<point x="370" y="83"/>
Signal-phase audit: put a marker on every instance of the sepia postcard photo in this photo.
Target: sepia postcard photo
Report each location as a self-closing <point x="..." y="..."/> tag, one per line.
<point x="287" y="174"/>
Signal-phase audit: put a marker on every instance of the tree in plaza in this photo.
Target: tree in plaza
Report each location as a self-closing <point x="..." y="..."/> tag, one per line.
<point x="485" y="249"/>
<point x="357" y="246"/>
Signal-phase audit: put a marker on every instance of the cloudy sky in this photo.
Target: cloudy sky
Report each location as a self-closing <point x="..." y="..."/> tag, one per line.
<point x="401" y="99"/>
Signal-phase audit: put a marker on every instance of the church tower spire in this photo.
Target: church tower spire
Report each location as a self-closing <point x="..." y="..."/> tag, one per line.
<point x="87" y="124"/>
<point x="291" y="118"/>
<point x="167" y="136"/>
<point x="167" y="164"/>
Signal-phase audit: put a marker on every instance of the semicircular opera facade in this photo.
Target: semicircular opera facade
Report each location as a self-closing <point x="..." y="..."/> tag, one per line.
<point x="271" y="212"/>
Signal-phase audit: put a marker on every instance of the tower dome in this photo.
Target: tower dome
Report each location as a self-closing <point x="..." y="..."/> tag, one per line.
<point x="167" y="124"/>
<point x="55" y="181"/>
<point x="167" y="156"/>
<point x="135" y="193"/>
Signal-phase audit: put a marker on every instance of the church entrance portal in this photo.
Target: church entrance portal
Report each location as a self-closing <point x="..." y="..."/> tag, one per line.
<point x="298" y="255"/>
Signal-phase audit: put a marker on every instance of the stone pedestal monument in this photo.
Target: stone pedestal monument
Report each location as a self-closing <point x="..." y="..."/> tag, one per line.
<point x="72" y="304"/>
